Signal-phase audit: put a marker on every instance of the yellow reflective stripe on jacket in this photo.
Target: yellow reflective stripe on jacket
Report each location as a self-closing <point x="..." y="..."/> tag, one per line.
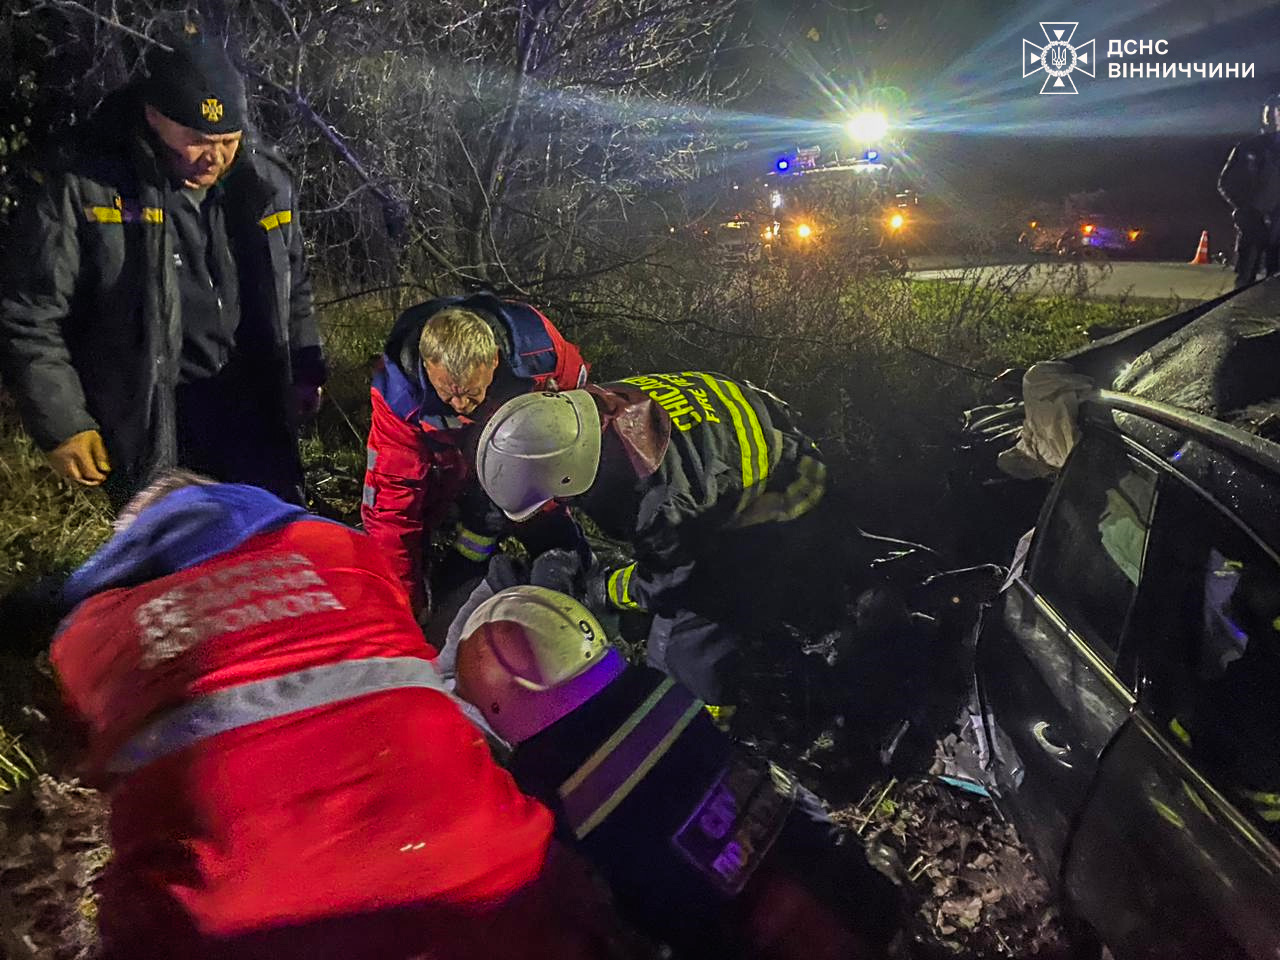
<point x="779" y="506"/>
<point x="751" y="443"/>
<point x="608" y="776"/>
<point x="474" y="546"/>
<point x="619" y="588"/>
<point x="277" y="219"/>
<point x="757" y="434"/>
<point x="124" y="215"/>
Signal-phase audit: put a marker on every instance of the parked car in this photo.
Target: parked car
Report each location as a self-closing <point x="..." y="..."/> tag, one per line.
<point x="1128" y="680"/>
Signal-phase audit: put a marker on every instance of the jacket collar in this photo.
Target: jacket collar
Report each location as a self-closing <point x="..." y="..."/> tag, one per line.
<point x="639" y="423"/>
<point x="185" y="528"/>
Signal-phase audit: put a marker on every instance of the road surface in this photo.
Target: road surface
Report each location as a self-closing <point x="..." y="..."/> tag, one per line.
<point x="1122" y="278"/>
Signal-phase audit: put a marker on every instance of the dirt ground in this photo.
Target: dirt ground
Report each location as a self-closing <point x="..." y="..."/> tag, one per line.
<point x="968" y="882"/>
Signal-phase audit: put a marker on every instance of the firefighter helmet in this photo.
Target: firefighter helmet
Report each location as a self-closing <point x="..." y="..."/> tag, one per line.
<point x="529" y="656"/>
<point x="537" y="447"/>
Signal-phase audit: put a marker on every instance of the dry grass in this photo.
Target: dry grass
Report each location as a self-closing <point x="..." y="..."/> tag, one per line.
<point x="47" y="526"/>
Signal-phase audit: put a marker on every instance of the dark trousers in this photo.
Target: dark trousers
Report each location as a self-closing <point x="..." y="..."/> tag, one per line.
<point x="743" y="586"/>
<point x="1256" y="252"/>
<point x="232" y="428"/>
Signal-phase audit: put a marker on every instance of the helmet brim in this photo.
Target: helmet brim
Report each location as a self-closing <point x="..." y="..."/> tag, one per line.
<point x="526" y="512"/>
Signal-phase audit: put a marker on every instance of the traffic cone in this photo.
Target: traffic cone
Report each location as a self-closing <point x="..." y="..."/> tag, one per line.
<point x="1202" y="251"/>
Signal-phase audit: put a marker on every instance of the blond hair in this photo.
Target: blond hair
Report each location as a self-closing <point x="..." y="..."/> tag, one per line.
<point x="170" y="481"/>
<point x="459" y="340"/>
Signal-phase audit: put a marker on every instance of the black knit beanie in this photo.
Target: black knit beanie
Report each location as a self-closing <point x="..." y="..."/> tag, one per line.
<point x="196" y="84"/>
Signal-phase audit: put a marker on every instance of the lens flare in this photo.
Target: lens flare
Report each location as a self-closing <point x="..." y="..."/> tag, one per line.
<point x="868" y="126"/>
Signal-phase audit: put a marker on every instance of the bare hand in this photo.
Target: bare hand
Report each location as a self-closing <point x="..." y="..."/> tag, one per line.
<point x="82" y="458"/>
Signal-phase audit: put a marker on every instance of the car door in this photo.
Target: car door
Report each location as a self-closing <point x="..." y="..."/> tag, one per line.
<point x="1048" y="662"/>
<point x="1175" y="855"/>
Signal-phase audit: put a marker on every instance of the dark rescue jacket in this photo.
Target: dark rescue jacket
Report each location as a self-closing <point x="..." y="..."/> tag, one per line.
<point x="1250" y="180"/>
<point x="417" y="465"/>
<point x="685" y="457"/>
<point x="90" y="318"/>
<point x="693" y="833"/>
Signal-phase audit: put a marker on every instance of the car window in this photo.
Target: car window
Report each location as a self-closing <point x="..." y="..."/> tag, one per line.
<point x="1087" y="556"/>
<point x="1210" y="651"/>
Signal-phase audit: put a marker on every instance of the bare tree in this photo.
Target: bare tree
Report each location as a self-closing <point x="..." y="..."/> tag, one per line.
<point x="509" y="143"/>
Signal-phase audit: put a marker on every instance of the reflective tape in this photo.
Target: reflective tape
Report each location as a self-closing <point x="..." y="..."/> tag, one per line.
<point x="757" y="433"/>
<point x="370" y="458"/>
<point x="742" y="429"/>
<point x="368" y="496"/>
<point x="250" y="703"/>
<point x="619" y="588"/>
<point x="609" y="775"/>
<point x="124" y="214"/>
<point x="779" y="506"/>
<point x="277" y="219"/>
<point x="474" y="546"/>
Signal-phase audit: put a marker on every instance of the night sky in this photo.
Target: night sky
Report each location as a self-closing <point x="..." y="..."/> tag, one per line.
<point x="981" y="138"/>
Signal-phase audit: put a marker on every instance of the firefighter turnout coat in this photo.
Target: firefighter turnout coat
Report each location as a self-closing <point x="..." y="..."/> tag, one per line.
<point x="417" y="460"/>
<point x="288" y="777"/>
<point x="685" y="458"/>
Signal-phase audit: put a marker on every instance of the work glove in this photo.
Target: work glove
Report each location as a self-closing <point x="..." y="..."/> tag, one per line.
<point x="606" y="590"/>
<point x="559" y="569"/>
<point x="81" y="458"/>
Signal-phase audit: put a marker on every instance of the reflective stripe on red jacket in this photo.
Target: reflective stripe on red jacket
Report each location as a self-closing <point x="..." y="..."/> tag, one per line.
<point x="416" y="464"/>
<point x="355" y="805"/>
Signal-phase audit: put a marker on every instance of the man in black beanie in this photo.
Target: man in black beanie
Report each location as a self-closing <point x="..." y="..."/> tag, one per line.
<point x="156" y="311"/>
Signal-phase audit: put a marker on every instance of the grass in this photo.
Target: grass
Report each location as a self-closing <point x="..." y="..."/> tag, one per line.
<point x="47" y="525"/>
<point x="15" y="766"/>
<point x="1002" y="330"/>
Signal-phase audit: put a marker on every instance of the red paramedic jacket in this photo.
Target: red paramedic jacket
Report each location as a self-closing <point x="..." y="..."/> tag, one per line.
<point x="372" y="822"/>
<point x="417" y="462"/>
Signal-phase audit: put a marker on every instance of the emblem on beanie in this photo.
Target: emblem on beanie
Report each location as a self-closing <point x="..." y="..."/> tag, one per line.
<point x="211" y="109"/>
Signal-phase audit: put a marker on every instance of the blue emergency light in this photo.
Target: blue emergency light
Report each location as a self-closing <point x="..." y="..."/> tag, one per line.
<point x="873" y="154"/>
<point x="783" y="164"/>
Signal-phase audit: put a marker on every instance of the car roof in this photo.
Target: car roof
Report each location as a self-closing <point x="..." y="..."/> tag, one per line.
<point x="1238" y="469"/>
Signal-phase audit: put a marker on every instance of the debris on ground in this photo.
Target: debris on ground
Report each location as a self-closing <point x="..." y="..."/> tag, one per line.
<point x="971" y="883"/>
<point x="53" y="847"/>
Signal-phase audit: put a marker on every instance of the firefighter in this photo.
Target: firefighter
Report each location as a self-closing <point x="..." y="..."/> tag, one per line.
<point x="711" y="483"/>
<point x="157" y="310"/>
<point x="707" y="847"/>
<point x="1250" y="182"/>
<point x="448" y="363"/>
<point x="288" y="778"/>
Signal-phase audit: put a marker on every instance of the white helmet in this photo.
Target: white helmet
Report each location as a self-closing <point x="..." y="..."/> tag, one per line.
<point x="529" y="656"/>
<point x="537" y="447"/>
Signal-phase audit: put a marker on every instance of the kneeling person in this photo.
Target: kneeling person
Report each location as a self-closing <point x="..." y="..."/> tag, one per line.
<point x="447" y="364"/>
<point x="707" y="847"/>
<point x="712" y="484"/>
<point x="288" y="777"/>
